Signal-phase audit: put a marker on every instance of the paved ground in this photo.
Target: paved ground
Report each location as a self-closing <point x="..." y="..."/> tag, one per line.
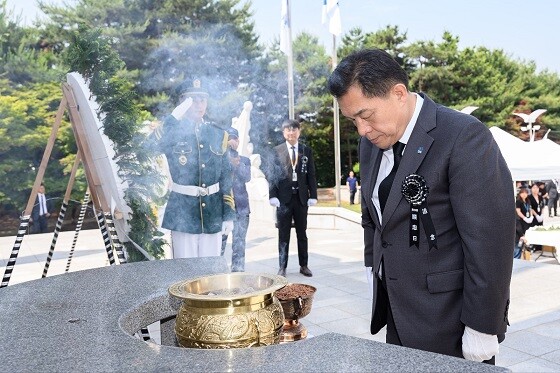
<point x="341" y="303"/>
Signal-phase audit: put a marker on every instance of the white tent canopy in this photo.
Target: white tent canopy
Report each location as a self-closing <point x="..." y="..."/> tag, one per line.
<point x="537" y="160"/>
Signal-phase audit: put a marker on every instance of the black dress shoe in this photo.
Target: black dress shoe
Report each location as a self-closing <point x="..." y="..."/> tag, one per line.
<point x="305" y="271"/>
<point x="282" y="272"/>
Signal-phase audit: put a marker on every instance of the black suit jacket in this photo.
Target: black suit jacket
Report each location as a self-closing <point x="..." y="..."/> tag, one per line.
<point x="281" y="179"/>
<point x="466" y="279"/>
<point x="36" y="208"/>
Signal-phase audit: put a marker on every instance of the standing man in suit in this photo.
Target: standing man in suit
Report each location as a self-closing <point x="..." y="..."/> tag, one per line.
<point x="293" y="189"/>
<point x="41" y="212"/>
<point x="438" y="249"/>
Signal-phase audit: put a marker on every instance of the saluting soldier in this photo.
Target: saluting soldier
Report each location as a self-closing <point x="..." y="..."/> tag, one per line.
<point x="200" y="207"/>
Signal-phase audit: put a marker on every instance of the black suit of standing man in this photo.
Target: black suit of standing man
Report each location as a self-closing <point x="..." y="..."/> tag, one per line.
<point x="41" y="212"/>
<point x="293" y="189"/>
<point x="441" y="250"/>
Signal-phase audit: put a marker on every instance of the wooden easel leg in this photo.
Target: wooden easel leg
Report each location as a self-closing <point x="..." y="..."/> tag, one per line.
<point x="24" y="222"/>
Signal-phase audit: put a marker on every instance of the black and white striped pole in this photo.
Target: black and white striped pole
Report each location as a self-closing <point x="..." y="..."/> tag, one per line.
<point x="115" y="238"/>
<point x="23" y="225"/>
<point x="57" y="229"/>
<point x="105" y="234"/>
<point x="78" y="229"/>
<point x="62" y="213"/>
<point x="24" y="222"/>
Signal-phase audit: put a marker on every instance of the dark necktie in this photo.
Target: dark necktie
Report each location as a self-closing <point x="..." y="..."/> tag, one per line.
<point x="293" y="161"/>
<point x="385" y="185"/>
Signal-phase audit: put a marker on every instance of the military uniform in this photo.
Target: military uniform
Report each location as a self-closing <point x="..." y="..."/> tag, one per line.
<point x="200" y="206"/>
<point x="201" y="197"/>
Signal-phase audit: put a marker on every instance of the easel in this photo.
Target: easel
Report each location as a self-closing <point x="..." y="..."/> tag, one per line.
<point x="101" y="205"/>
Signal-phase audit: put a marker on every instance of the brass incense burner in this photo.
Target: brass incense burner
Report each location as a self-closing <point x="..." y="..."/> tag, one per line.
<point x="231" y="310"/>
<point x="296" y="301"/>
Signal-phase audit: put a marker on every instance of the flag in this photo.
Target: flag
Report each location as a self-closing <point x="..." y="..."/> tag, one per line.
<point x="285" y="28"/>
<point x="331" y="13"/>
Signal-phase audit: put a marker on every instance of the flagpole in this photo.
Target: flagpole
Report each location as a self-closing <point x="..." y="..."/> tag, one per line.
<point x="336" y="118"/>
<point x="290" y="58"/>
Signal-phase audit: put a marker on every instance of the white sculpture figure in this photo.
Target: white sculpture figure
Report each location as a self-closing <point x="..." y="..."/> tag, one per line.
<point x="243" y="124"/>
<point x="258" y="179"/>
<point x="258" y="186"/>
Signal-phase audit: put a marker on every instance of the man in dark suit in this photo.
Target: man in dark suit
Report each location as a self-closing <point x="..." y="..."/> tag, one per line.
<point x="41" y="212"/>
<point x="293" y="188"/>
<point x="438" y="240"/>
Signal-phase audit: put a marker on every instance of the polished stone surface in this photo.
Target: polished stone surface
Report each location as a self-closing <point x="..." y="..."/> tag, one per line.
<point x="83" y="321"/>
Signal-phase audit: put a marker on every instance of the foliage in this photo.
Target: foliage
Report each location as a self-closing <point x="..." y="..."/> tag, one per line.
<point x="163" y="42"/>
<point x="92" y="55"/>
<point x="26" y="118"/>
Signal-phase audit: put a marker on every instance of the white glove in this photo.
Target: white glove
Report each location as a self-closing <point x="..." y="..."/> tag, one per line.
<point x="528" y="220"/>
<point x="180" y="111"/>
<point x="479" y="346"/>
<point x="539" y="218"/>
<point x="227" y="227"/>
<point x="274" y="202"/>
<point x="369" y="276"/>
<point x="311" y="202"/>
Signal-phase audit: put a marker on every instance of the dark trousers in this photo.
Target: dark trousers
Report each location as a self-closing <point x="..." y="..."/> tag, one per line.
<point x="238" y="242"/>
<point x="293" y="210"/>
<point x="352" y="196"/>
<point x="41" y="225"/>
<point x="392" y="334"/>
<point x="552" y="205"/>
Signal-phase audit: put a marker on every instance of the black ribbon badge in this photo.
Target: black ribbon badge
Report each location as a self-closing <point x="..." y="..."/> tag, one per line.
<point x="304" y="161"/>
<point x="415" y="191"/>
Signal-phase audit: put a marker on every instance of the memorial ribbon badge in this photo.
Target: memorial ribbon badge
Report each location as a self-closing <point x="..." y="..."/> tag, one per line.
<point x="415" y="191"/>
<point x="304" y="161"/>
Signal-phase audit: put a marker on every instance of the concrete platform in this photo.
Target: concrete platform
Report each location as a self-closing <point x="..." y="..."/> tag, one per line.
<point x="341" y="304"/>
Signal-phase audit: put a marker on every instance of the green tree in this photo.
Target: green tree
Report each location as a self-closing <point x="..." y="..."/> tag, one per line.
<point x="26" y="119"/>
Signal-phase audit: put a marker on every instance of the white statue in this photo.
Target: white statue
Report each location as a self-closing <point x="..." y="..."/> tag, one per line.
<point x="243" y="124"/>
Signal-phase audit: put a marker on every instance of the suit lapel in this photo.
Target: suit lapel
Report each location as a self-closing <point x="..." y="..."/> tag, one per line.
<point x="416" y="149"/>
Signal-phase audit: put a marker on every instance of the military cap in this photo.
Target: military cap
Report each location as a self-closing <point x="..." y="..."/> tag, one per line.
<point x="192" y="88"/>
<point x="232" y="132"/>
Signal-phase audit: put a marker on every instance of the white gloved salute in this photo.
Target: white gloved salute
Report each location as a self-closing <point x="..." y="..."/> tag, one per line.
<point x="180" y="111"/>
<point x="311" y="202"/>
<point x="274" y="202"/>
<point x="479" y="346"/>
<point x="227" y="227"/>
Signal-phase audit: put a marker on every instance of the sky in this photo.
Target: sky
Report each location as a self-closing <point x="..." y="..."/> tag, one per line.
<point x="523" y="29"/>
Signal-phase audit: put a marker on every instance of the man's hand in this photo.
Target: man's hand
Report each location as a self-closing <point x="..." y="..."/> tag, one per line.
<point x="274" y="202"/>
<point x="180" y="111"/>
<point x="479" y="346"/>
<point x="227" y="227"/>
<point x="311" y="202"/>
